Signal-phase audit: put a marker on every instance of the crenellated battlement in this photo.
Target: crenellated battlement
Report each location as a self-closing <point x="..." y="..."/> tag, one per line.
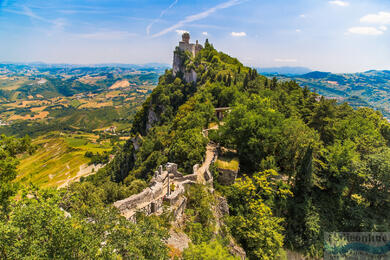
<point x="185" y="45"/>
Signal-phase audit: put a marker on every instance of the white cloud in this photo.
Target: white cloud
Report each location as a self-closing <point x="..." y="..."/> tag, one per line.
<point x="339" y="3"/>
<point x="161" y="15"/>
<point x="285" y="60"/>
<point x="29" y="13"/>
<point x="302" y="16"/>
<point x="198" y="16"/>
<point x="205" y="33"/>
<point x="238" y="34"/>
<point x="298" y="30"/>
<point x="365" y="30"/>
<point x="57" y="24"/>
<point x="379" y="18"/>
<point x="180" y="32"/>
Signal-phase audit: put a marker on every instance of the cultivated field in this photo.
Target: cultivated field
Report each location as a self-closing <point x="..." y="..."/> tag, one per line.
<point x="60" y="159"/>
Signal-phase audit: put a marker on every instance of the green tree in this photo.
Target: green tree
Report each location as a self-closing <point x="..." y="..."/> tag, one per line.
<point x="323" y="120"/>
<point x="47" y="225"/>
<point x="201" y="222"/>
<point x="252" y="222"/>
<point x="207" y="251"/>
<point x="9" y="148"/>
<point x="303" y="221"/>
<point x="254" y="129"/>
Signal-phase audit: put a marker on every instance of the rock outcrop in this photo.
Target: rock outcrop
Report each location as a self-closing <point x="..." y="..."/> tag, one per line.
<point x="152" y="118"/>
<point x="226" y="176"/>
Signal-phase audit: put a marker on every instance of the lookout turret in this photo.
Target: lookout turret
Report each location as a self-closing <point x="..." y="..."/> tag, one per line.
<point x="185" y="45"/>
<point x="178" y="63"/>
<point x="186" y="37"/>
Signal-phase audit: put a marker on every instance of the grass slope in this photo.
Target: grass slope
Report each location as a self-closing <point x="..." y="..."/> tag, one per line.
<point x="227" y="163"/>
<point x="58" y="158"/>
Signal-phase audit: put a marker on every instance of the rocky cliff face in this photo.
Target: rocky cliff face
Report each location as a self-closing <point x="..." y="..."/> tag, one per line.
<point x="179" y="59"/>
<point x="152" y="118"/>
<point x="178" y="63"/>
<point x="190" y="77"/>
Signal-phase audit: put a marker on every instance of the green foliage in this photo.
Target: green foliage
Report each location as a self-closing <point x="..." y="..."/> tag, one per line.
<point x="323" y="120"/>
<point x="9" y="148"/>
<point x="254" y="128"/>
<point x="200" y="225"/>
<point x="252" y="222"/>
<point x="304" y="228"/>
<point x="188" y="149"/>
<point x="38" y="228"/>
<point x="98" y="158"/>
<point x="76" y="224"/>
<point x="207" y="251"/>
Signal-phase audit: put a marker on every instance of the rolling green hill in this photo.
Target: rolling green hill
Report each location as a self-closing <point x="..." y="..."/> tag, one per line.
<point x="52" y="81"/>
<point x="370" y="88"/>
<point x="35" y="100"/>
<point x="59" y="159"/>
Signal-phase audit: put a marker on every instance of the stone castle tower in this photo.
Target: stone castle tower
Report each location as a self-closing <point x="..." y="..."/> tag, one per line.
<point x="185" y="45"/>
<point x="194" y="49"/>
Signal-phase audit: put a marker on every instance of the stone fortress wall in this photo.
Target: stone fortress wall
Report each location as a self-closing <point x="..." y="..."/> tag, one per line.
<point x="150" y="200"/>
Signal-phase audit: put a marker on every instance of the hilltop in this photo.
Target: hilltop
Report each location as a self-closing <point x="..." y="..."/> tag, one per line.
<point x="254" y="167"/>
<point x="305" y="147"/>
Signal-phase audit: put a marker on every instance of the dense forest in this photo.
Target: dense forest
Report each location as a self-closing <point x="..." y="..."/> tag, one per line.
<point x="307" y="166"/>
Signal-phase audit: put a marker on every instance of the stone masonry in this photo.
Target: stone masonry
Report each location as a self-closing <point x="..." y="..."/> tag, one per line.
<point x="150" y="200"/>
<point x="194" y="49"/>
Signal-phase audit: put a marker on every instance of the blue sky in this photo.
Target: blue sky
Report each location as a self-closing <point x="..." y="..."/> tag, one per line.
<point x="337" y="36"/>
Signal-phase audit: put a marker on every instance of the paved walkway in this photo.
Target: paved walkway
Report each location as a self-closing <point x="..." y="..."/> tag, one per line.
<point x="211" y="154"/>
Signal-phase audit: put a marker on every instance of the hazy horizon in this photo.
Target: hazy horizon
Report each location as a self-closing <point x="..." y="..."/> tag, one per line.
<point x="335" y="36"/>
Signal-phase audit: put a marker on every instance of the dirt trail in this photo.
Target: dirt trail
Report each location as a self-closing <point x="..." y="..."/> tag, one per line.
<point x="211" y="156"/>
<point x="84" y="171"/>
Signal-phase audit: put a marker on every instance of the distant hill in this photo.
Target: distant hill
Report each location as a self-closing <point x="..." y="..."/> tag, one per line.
<point x="98" y="65"/>
<point x="38" y="98"/>
<point x="370" y="88"/>
<point x="284" y="70"/>
<point x="51" y="80"/>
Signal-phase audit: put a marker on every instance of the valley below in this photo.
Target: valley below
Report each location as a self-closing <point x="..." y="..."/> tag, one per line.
<point x="69" y="111"/>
